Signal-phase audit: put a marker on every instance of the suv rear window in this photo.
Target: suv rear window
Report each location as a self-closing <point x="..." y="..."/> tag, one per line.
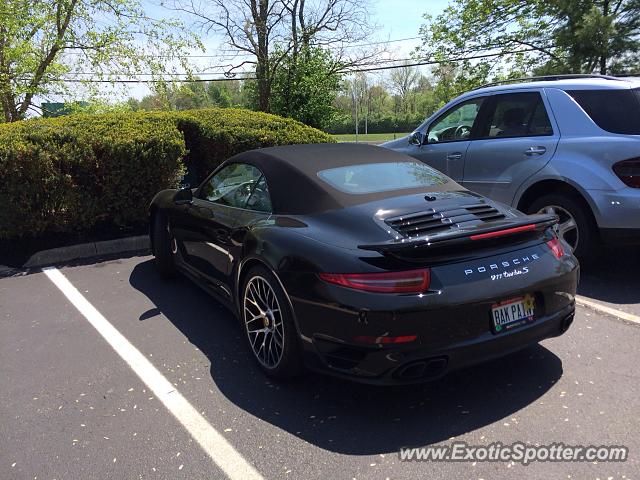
<point x="616" y="111"/>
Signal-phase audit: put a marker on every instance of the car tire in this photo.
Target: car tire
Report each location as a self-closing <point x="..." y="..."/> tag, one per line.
<point x="261" y="296"/>
<point x="585" y="233"/>
<point x="164" y="246"/>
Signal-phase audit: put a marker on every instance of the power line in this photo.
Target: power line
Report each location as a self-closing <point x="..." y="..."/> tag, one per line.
<point x="382" y="42"/>
<point x="187" y="74"/>
<point x="161" y="80"/>
<point x="236" y="53"/>
<point x="437" y="62"/>
<point x="373" y="64"/>
<point x="345" y="71"/>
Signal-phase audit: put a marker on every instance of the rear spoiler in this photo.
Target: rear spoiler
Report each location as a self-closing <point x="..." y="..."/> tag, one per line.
<point x="485" y="231"/>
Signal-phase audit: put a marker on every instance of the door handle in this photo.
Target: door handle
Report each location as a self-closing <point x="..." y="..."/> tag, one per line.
<point x="535" y="151"/>
<point x="454" y="156"/>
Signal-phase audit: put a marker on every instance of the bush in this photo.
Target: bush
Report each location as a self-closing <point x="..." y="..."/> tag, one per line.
<point x="80" y="173"/>
<point x="211" y="139"/>
<point x="385" y="124"/>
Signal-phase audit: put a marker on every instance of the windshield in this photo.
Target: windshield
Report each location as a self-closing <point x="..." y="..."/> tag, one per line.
<point x="380" y="177"/>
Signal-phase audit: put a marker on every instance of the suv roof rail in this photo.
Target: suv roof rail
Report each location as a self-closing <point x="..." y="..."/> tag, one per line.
<point x="547" y="78"/>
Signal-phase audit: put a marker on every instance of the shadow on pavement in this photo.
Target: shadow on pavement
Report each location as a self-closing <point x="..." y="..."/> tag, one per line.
<point x="97" y="261"/>
<point x="341" y="416"/>
<point x="613" y="277"/>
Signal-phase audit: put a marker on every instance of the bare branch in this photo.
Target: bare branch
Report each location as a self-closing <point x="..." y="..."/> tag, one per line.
<point x="271" y="30"/>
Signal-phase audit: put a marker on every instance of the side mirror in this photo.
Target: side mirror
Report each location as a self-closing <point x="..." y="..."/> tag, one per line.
<point x="416" y="138"/>
<point x="183" y="196"/>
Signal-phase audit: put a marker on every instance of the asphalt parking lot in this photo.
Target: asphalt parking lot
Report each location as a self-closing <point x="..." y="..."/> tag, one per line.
<point x="73" y="407"/>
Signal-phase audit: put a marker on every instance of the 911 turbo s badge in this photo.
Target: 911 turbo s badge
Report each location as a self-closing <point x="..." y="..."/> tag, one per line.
<point x="494" y="268"/>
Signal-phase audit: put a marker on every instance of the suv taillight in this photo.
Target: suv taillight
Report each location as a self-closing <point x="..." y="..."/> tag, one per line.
<point x="629" y="172"/>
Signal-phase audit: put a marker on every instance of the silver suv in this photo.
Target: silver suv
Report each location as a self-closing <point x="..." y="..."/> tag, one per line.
<point x="564" y="144"/>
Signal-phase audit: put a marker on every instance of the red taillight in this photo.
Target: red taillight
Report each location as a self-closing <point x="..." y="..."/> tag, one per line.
<point x="386" y="340"/>
<point x="629" y="172"/>
<point x="410" y="281"/>
<point x="556" y="248"/>
<point x="500" y="233"/>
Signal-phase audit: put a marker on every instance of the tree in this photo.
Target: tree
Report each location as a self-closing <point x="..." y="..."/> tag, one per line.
<point x="540" y="36"/>
<point x="378" y="101"/>
<point x="453" y="79"/>
<point x="44" y="41"/>
<point x="402" y="81"/>
<point x="268" y="33"/>
<point x="357" y="89"/>
<point x="225" y="94"/>
<point x="195" y="94"/>
<point x="190" y="95"/>
<point x="304" y="88"/>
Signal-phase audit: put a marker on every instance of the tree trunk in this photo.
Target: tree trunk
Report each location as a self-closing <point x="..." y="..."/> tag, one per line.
<point x="9" y="110"/>
<point x="264" y="86"/>
<point x="291" y="67"/>
<point x="603" y="56"/>
<point x="260" y="14"/>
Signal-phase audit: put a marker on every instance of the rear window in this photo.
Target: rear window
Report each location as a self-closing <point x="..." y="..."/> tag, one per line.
<point x="616" y="111"/>
<point x="381" y="177"/>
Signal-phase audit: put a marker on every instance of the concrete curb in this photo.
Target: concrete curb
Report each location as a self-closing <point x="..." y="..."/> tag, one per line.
<point x="88" y="250"/>
<point x="598" y="307"/>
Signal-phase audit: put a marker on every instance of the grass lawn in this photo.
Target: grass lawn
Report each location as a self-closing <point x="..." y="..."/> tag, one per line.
<point x="372" y="137"/>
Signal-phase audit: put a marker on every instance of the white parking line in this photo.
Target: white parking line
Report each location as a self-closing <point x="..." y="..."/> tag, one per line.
<point x="213" y="443"/>
<point x="580" y="300"/>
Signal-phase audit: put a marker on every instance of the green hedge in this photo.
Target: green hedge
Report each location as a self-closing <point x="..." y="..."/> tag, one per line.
<point x="210" y="139"/>
<point x="80" y="173"/>
<point x="387" y="124"/>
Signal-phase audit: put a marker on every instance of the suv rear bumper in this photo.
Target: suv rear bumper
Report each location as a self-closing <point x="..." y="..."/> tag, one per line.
<point x="617" y="212"/>
<point x="620" y="236"/>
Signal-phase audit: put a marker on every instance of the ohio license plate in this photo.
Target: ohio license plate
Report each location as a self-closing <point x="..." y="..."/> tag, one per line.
<point x="512" y="313"/>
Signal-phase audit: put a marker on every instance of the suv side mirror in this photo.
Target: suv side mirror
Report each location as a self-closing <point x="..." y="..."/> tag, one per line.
<point x="416" y="138"/>
<point x="183" y="196"/>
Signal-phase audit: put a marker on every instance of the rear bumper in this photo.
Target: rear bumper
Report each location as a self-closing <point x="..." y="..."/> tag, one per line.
<point x="409" y="365"/>
<point x="620" y="236"/>
<point x="617" y="210"/>
<point x="452" y="322"/>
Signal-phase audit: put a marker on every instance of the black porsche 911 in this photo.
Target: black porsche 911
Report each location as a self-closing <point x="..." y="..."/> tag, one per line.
<point x="365" y="263"/>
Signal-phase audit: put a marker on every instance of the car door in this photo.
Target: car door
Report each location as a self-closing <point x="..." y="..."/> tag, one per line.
<point x="205" y="233"/>
<point x="516" y="138"/>
<point x="447" y="138"/>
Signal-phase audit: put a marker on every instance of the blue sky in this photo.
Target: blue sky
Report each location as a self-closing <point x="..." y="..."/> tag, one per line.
<point x="396" y="19"/>
<point x="403" y="18"/>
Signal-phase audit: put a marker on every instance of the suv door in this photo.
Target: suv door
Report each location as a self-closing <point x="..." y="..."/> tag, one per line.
<point x="516" y="138"/>
<point x="447" y="138"/>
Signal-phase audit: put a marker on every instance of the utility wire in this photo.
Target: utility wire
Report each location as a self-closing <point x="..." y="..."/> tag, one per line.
<point x="437" y="62"/>
<point x="236" y="54"/>
<point x="345" y="71"/>
<point x="361" y="69"/>
<point x="204" y="72"/>
<point x="161" y="80"/>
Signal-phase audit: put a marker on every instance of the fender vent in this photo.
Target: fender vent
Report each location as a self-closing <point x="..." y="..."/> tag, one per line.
<point x="432" y="221"/>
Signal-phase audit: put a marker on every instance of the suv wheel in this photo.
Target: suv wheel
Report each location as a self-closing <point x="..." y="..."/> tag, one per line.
<point x="575" y="225"/>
